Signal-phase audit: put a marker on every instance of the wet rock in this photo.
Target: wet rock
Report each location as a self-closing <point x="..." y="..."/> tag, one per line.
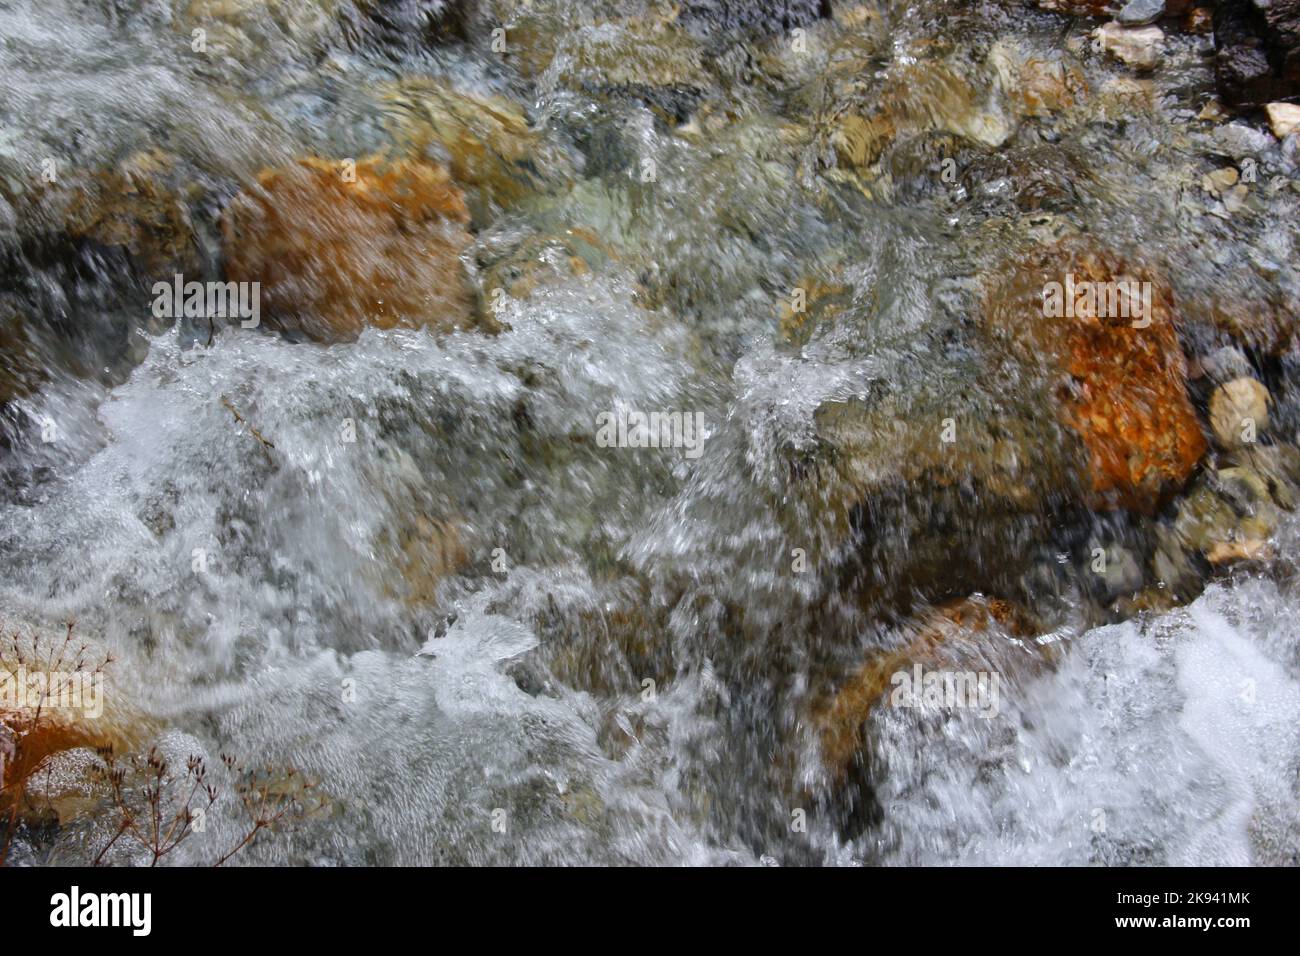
<point x="1234" y="200"/>
<point x="659" y="64"/>
<point x="1139" y="47"/>
<point x="491" y="149"/>
<point x="543" y="259"/>
<point x="1261" y="321"/>
<point x="634" y="53"/>
<point x="937" y="95"/>
<point x="1038" y="178"/>
<point x="1257" y="50"/>
<point x="1283" y="118"/>
<point x="1220" y="180"/>
<point x="242" y="38"/>
<point x="1204" y="520"/>
<point x="1239" y="141"/>
<point x="859" y="141"/>
<point x="20" y="367"/>
<point x="1199" y="21"/>
<point x="1231" y="514"/>
<point x="1212" y="112"/>
<point x="534" y="31"/>
<point x="1222" y="365"/>
<point x="936" y="639"/>
<point x="1122" y="96"/>
<point x="830" y="56"/>
<point x="408" y="24"/>
<point x="1136" y="13"/>
<point x="1115" y="374"/>
<point x="821" y="303"/>
<point x="928" y="164"/>
<point x="428" y="551"/>
<point x="607" y="649"/>
<point x="651" y="58"/>
<point x="1116" y="574"/>
<point x="334" y="255"/>
<point x="927" y="97"/>
<point x="137" y="206"/>
<point x="1038" y="86"/>
<point x="751" y="17"/>
<point x="1081" y="8"/>
<point x="945" y="486"/>
<point x="1239" y="411"/>
<point x="743" y="186"/>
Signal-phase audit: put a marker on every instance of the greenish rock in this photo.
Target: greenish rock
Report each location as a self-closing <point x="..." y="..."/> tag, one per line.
<point x="941" y="489"/>
<point x="488" y="142"/>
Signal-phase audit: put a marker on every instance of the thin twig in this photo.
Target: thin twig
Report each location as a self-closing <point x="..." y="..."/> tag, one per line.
<point x="266" y="445"/>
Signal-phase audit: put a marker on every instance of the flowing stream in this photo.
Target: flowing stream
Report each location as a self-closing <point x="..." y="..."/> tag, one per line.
<point x="405" y="565"/>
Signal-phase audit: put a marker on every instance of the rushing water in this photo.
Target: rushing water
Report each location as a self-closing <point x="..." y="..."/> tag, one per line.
<point x="618" y="660"/>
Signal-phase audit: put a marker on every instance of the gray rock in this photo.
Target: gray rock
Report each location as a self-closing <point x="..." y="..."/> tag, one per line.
<point x="1238" y="140"/>
<point x="8" y="220"/>
<point x="1291" y="154"/>
<point x="1225" y="364"/>
<point x="1138" y="12"/>
<point x="1117" y="570"/>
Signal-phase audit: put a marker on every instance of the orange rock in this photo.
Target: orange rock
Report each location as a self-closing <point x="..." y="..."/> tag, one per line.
<point x="1199" y="20"/>
<point x="34" y="730"/>
<point x="133" y="206"/>
<point x="1119" y="377"/>
<point x="335" y="255"/>
<point x="429" y="550"/>
<point x="840" y="719"/>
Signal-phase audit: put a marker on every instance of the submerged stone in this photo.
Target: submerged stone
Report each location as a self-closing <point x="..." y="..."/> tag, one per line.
<point x="492" y="150"/>
<point x="948" y="637"/>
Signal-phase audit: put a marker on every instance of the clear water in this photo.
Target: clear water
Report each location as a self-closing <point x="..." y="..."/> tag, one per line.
<point x="426" y="710"/>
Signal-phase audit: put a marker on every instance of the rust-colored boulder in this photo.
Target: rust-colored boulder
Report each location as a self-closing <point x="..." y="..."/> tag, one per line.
<point x="932" y="640"/>
<point x="1100" y="334"/>
<point x="337" y="247"/>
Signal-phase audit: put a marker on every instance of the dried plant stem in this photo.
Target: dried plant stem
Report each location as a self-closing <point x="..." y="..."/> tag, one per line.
<point x="266" y="445"/>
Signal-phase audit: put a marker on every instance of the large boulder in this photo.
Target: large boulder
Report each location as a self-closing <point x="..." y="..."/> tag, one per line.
<point x="936" y="490"/>
<point x="1109" y="362"/>
<point x="1257" y="44"/>
<point x="337" y="247"/>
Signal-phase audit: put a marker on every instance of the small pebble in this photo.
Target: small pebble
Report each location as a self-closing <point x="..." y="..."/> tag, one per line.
<point x="1239" y="411"/>
<point x="1137" y="13"/>
<point x="1283" y="118"/>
